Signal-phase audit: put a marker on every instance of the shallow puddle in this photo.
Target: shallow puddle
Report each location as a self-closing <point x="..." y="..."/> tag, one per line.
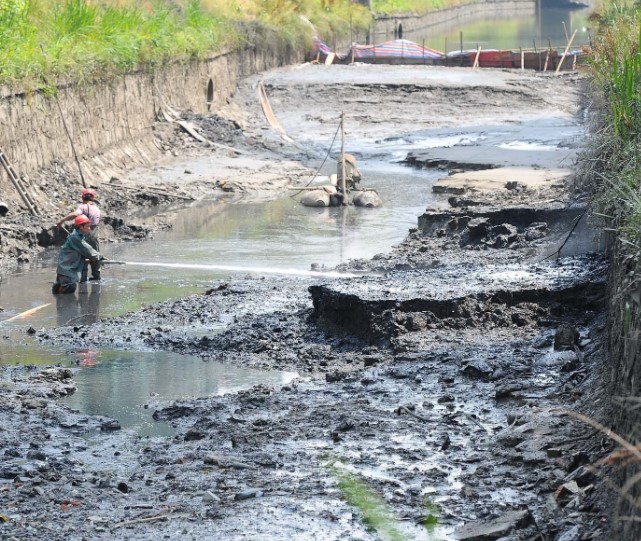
<point x="129" y="386"/>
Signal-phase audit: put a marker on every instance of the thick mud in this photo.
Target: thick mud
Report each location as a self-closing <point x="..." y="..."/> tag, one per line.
<point x="433" y="389"/>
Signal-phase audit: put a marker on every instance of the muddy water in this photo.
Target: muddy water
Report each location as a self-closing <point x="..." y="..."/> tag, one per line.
<point x="129" y="385"/>
<point x="545" y="27"/>
<point x="253" y="238"/>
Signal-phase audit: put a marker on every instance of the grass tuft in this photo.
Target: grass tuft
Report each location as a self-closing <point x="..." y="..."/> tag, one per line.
<point x="376" y="514"/>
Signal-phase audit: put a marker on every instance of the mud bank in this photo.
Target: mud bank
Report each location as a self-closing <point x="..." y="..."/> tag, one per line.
<point x="455" y="415"/>
<point x="115" y="126"/>
<point x="439" y="379"/>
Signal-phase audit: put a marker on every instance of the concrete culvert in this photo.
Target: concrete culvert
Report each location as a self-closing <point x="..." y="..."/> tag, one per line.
<point x="4" y="208"/>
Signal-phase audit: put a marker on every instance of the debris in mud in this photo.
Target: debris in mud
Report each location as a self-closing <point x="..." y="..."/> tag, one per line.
<point x="566" y="336"/>
<point x="507" y="227"/>
<point x="110" y="425"/>
<point x="499" y="527"/>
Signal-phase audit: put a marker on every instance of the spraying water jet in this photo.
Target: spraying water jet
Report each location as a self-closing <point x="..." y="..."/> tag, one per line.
<point x="234" y="268"/>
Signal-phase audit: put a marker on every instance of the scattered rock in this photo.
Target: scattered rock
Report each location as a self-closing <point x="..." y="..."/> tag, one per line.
<point x="110" y="425"/>
<point x="247" y="494"/>
<point x="566" y="337"/>
<point x="478" y="368"/>
<point x="501" y="526"/>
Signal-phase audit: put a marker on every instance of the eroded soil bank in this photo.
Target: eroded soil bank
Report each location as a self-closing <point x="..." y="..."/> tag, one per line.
<point x="438" y="378"/>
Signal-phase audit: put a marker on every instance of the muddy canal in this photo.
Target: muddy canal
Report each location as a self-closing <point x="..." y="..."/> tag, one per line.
<point x="209" y="241"/>
<point x="424" y="386"/>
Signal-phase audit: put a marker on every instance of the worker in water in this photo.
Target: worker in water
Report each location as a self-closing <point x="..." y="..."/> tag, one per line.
<point x="352" y="174"/>
<point x="73" y="255"/>
<point x="88" y="208"/>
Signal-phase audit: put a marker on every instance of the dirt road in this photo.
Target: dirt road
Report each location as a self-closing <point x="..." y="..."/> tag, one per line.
<point x="431" y="391"/>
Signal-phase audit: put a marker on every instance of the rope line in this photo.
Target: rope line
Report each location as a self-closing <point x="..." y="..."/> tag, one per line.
<point x="329" y="150"/>
<point x="558" y="251"/>
<point x="273" y="122"/>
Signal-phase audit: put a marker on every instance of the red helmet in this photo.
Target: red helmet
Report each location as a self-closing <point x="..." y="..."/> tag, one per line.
<point x="82" y="219"/>
<point x="88" y="193"/>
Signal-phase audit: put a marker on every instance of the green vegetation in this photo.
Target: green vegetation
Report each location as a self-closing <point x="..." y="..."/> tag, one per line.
<point x="375" y="512"/>
<point x="51" y="40"/>
<point x="613" y="164"/>
<point x="79" y="39"/>
<point x="84" y="39"/>
<point x="413" y="6"/>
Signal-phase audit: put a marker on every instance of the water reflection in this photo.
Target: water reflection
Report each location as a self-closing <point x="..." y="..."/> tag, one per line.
<point x="283" y="233"/>
<point x="130" y="386"/>
<point x="80" y="308"/>
<point x="536" y="29"/>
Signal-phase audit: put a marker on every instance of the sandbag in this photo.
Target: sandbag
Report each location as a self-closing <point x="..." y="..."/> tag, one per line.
<point x="369" y="199"/>
<point x="315" y="198"/>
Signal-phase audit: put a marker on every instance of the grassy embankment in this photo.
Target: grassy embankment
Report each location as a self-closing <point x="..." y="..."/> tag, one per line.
<point x="614" y="163"/>
<point x="83" y="39"/>
<point x="414" y="6"/>
<point x="612" y="169"/>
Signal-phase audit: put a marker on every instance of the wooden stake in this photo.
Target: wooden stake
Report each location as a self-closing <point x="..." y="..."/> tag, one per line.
<point x="17" y="184"/>
<point x="476" y="60"/>
<point x="64" y="124"/>
<point x="343" y="189"/>
<point x="567" y="48"/>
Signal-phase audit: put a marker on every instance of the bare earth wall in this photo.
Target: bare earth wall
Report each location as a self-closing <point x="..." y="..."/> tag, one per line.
<point x="110" y="122"/>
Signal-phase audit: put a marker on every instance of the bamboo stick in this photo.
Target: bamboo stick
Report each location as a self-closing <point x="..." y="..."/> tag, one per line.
<point x="343" y="189"/>
<point x="476" y="60"/>
<point x="18" y="185"/>
<point x="567" y="48"/>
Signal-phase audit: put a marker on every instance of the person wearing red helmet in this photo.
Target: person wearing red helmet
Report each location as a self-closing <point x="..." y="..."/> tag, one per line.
<point x="73" y="255"/>
<point x="90" y="209"/>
